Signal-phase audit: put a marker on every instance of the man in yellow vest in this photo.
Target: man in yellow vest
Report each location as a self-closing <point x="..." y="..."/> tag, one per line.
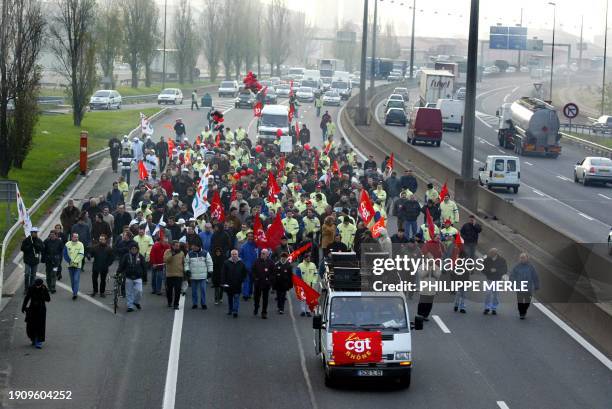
<point x="308" y="271"/>
<point x="292" y="227"/>
<point x="347" y="232"/>
<point x="449" y="210"/>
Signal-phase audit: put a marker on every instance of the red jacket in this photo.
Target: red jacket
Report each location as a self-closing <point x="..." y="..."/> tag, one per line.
<point x="157" y="253"/>
<point x="167" y="186"/>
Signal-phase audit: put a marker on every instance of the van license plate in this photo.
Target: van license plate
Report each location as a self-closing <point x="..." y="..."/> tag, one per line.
<point x="370" y="372"/>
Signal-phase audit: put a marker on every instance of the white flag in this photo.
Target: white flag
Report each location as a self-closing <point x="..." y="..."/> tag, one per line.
<point x="200" y="203"/>
<point x="157" y="227"/>
<point x="24" y="217"/>
<point x="145" y="126"/>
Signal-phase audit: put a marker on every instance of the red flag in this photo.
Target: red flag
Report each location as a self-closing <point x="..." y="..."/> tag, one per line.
<point x="430" y="224"/>
<point x="258" y="232"/>
<point x="291" y="88"/>
<point x="281" y="164"/>
<point x="336" y="168"/>
<point x="366" y="209"/>
<point x="217" y="140"/>
<point x="296" y="253"/>
<point x="257" y="109"/>
<point x="272" y="185"/>
<point x="351" y="347"/>
<point x="216" y="208"/>
<point x="304" y="292"/>
<point x="234" y="193"/>
<point x="316" y="166"/>
<point x="376" y="227"/>
<point x="271" y="196"/>
<point x="443" y="192"/>
<point x="142" y="171"/>
<point x="390" y="162"/>
<point x="170" y="147"/>
<point x="275" y="232"/>
<point x="291" y="112"/>
<point x="198" y="140"/>
<point x="328" y="146"/>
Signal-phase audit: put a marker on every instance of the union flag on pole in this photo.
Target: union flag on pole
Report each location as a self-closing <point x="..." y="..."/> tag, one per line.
<point x="234" y="194"/>
<point x="145" y="125"/>
<point x="24" y="216"/>
<point x="257" y="109"/>
<point x="217" y="140"/>
<point x="366" y="209"/>
<point x="296" y="253"/>
<point x="142" y="171"/>
<point x="430" y="224"/>
<point x="216" y="208"/>
<point x="443" y="192"/>
<point x="170" y="147"/>
<point x="376" y="227"/>
<point x="258" y="232"/>
<point x="305" y="293"/>
<point x="391" y="161"/>
<point x="200" y="202"/>
<point x="291" y="112"/>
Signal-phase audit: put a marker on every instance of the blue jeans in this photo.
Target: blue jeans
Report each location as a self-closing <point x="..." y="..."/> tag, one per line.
<point x="126" y="174"/>
<point x="491" y="300"/>
<point x="460" y="299"/>
<point x="75" y="279"/>
<point x="158" y="275"/>
<point x="233" y="301"/>
<point x="247" y="285"/>
<point x="133" y="290"/>
<point x="30" y="275"/>
<point x="201" y="285"/>
<point x="410" y="228"/>
<point x="318" y="112"/>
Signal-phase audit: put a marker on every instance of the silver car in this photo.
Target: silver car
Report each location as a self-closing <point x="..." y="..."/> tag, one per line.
<point x="593" y="170"/>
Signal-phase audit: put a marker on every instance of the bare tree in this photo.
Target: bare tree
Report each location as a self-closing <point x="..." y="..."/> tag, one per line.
<point x="108" y="37"/>
<point x="74" y="46"/>
<point x="150" y="38"/>
<point x="186" y="41"/>
<point x="229" y="36"/>
<point x="278" y="34"/>
<point x="211" y="19"/>
<point x="21" y="36"/>
<point x="303" y="32"/>
<point x="133" y="20"/>
<point x="250" y="34"/>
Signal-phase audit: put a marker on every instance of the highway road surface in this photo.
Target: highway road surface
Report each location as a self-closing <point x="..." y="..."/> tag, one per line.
<point x="160" y="358"/>
<point x="547" y="187"/>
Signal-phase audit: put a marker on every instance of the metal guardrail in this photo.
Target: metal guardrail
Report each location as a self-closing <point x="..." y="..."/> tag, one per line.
<point x="592" y="146"/>
<point x="13" y="230"/>
<point x="587" y="129"/>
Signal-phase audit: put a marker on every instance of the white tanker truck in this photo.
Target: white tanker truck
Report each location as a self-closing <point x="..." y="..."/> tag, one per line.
<point x="529" y="126"/>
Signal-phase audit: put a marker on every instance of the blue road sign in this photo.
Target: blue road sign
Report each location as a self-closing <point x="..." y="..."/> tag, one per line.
<point x="498" y="30"/>
<point x="517" y="31"/>
<point x="498" y="42"/>
<point x="517" y="42"/>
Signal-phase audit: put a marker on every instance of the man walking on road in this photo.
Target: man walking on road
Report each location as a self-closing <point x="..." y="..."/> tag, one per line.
<point x="179" y="130"/>
<point x="32" y="248"/>
<point x="103" y="257"/>
<point x="161" y="148"/>
<point x="132" y="267"/>
<point x="198" y="267"/>
<point x="282" y="281"/>
<point x="263" y="271"/>
<point x="115" y="150"/>
<point x="52" y="257"/>
<point x="194" y="100"/>
<point x="74" y="254"/>
<point x="524" y="272"/>
<point x="495" y="267"/>
<point x="233" y="274"/>
<point x="174" y="258"/>
<point x="469" y="233"/>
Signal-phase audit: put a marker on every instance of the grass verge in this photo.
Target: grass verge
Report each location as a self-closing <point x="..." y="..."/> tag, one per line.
<point x="601" y="140"/>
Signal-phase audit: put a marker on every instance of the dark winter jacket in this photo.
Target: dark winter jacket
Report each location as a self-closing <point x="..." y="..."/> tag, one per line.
<point x="470" y="232"/>
<point x="32" y="248"/>
<point x="495" y="269"/>
<point x="409" y="182"/>
<point x="233" y="275"/>
<point x="103" y="257"/>
<point x="132" y="266"/>
<point x="263" y="271"/>
<point x="281" y="280"/>
<point x="52" y="253"/>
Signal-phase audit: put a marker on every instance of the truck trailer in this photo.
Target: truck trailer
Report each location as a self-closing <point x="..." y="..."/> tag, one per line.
<point x="435" y="85"/>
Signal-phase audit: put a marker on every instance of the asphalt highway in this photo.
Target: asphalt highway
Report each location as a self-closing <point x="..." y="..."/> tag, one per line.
<point x="122" y="361"/>
<point x="547" y="187"/>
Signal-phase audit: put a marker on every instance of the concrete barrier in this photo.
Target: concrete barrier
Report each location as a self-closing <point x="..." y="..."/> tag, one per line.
<point x="569" y="270"/>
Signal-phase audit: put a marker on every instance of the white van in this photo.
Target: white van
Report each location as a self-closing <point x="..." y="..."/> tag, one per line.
<point x="452" y="113"/>
<point x="501" y="171"/>
<point x="273" y="118"/>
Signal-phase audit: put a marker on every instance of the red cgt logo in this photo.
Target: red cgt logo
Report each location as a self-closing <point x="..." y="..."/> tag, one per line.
<point x="357" y="347"/>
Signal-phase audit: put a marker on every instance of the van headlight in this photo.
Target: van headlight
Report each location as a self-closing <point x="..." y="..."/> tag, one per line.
<point x="402" y="356"/>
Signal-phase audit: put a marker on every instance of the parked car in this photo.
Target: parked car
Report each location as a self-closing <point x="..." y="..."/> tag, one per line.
<point x="331" y="98"/>
<point x="170" y="96"/>
<point x="245" y="99"/>
<point x="460" y="94"/>
<point x="395" y="116"/>
<point x="603" y="123"/>
<point x="403" y="92"/>
<point x="593" y="169"/>
<point x="228" y="88"/>
<point x="501" y="171"/>
<point x="270" y="97"/>
<point x="305" y="94"/>
<point x="282" y="90"/>
<point x="425" y="126"/>
<point x="105" y="99"/>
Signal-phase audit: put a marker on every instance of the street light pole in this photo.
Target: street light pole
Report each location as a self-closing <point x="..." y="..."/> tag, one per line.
<point x="552" y="54"/>
<point x="362" y="117"/>
<point x="373" y="63"/>
<point x="519" y="51"/>
<point x="581" y="44"/>
<point x="469" y="117"/>
<point x="412" y="39"/>
<point x="603" y="82"/>
<point x="164" y="52"/>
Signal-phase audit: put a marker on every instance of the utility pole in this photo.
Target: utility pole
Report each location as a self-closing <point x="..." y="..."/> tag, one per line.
<point x="552" y="53"/>
<point x="519" y="51"/>
<point x="581" y="44"/>
<point x="362" y="117"/>
<point x="466" y="187"/>
<point x="373" y="64"/>
<point x="164" y="52"/>
<point x="603" y="82"/>
<point x="412" y="39"/>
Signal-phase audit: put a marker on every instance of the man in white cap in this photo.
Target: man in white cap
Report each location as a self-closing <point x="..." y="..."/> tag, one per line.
<point x="32" y="248"/>
<point x="137" y="149"/>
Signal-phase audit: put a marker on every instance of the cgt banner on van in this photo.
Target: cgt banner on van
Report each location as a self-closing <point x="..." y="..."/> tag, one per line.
<point x="352" y="347"/>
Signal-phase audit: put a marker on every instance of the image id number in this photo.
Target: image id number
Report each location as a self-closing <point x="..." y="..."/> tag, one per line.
<point x="40" y="395"/>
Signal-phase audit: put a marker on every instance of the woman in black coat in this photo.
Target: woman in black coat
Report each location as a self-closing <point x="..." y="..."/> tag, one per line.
<point x="36" y="312"/>
<point x="218" y="260"/>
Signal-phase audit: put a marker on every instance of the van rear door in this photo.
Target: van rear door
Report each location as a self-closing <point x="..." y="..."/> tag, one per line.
<point x="513" y="171"/>
<point x="428" y="123"/>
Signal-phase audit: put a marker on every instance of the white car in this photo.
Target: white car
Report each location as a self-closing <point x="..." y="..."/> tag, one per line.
<point x="105" y="99"/>
<point x="331" y="98"/>
<point x="524" y="69"/>
<point x="511" y="70"/>
<point x="397" y="97"/>
<point x="170" y="96"/>
<point x="228" y="88"/>
<point x="282" y="90"/>
<point x="403" y="92"/>
<point x="593" y="170"/>
<point x="305" y="94"/>
<point x="275" y="81"/>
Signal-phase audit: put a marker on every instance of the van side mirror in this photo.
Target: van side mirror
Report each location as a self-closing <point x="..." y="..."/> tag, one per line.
<point x="481" y="169"/>
<point x="317" y="321"/>
<point x="417" y="325"/>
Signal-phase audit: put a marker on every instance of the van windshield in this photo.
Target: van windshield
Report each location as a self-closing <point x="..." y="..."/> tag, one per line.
<point x="368" y="312"/>
<point x="278" y="121"/>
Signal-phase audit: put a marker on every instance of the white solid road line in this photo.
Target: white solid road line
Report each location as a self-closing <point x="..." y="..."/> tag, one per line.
<point x="311" y="394"/>
<point x="173" y="357"/>
<point x="577" y="337"/>
<point x="604" y="196"/>
<point x="564" y="178"/>
<point x="80" y="294"/>
<point x="528" y="163"/>
<point x="586" y="217"/>
<point x="537" y="192"/>
<point x="441" y="324"/>
<point x="502" y="404"/>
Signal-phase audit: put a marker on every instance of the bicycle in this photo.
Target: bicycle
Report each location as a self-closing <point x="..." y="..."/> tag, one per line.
<point x="117" y="289"/>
